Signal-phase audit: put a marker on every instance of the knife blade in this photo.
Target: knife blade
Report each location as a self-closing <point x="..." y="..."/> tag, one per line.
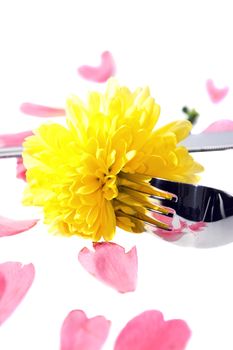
<point x="204" y="142"/>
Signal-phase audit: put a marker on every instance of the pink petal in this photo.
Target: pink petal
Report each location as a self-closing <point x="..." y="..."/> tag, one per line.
<point x="9" y="227"/>
<point x="112" y="265"/>
<point x="41" y="111"/>
<point x="80" y="332"/>
<point x="20" y="169"/>
<point x="2" y="285"/>
<point x="149" y="331"/>
<point x="197" y="226"/>
<point x="170" y="236"/>
<point x="163" y="218"/>
<point x="175" y="233"/>
<point x="15" y="280"/>
<point x="103" y="72"/>
<point x="14" y="140"/>
<point x="220" y="125"/>
<point x="216" y="95"/>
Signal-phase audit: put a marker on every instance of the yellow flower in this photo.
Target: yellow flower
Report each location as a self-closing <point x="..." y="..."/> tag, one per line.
<point x="85" y="175"/>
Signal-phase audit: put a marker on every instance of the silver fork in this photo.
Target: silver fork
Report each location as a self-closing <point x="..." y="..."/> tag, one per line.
<point x="203" y="215"/>
<point x="189" y="215"/>
<point x="185" y="214"/>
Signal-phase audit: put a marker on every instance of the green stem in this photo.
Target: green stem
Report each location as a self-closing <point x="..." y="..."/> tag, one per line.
<point x="191" y="114"/>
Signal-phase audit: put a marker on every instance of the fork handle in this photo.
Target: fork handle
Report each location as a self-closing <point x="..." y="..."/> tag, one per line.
<point x="196" y="202"/>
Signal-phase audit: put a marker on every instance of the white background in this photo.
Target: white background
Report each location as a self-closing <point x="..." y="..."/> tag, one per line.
<point x="172" y="46"/>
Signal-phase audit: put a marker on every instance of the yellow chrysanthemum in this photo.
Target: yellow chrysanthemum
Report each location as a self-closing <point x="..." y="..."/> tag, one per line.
<point x="85" y="175"/>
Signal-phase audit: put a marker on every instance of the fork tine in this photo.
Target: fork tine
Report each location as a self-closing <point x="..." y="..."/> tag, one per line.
<point x="197" y="202"/>
<point x="138" y="199"/>
<point x="142" y="220"/>
<point x="138" y="206"/>
<point x="140" y="202"/>
<point x="128" y="181"/>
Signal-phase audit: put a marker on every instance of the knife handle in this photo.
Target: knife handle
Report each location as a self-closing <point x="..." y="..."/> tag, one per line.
<point x="11" y="152"/>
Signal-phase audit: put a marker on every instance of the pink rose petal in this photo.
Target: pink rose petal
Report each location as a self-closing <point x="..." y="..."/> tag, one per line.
<point x="198" y="226"/>
<point x="9" y="227"/>
<point x="111" y="264"/>
<point x="149" y="331"/>
<point x="216" y="95"/>
<point x="41" y="111"/>
<point x="178" y="229"/>
<point x="174" y="235"/>
<point x="15" y="280"/>
<point x="220" y="125"/>
<point x="2" y="285"/>
<point x="103" y="72"/>
<point x="14" y="140"/>
<point x="20" y="169"/>
<point x="81" y="333"/>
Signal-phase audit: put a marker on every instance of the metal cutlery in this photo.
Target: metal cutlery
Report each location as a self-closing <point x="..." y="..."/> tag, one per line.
<point x="190" y="215"/>
<point x="203" y="215"/>
<point x="203" y="142"/>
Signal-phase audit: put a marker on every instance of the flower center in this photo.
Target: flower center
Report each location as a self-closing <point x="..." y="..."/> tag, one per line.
<point x="110" y="187"/>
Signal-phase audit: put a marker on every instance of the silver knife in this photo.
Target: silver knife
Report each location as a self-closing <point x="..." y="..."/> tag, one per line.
<point x="213" y="141"/>
<point x="11" y="152"/>
<point x="204" y="142"/>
